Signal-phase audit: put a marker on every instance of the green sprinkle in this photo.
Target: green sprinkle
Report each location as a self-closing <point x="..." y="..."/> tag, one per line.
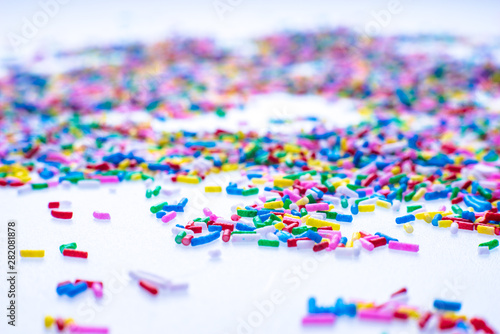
<point x="491" y="244"/>
<point x="353" y="187"/>
<point x="303" y="212"/>
<point x="149" y="193"/>
<point x="269" y="243"/>
<point x="299" y="230"/>
<point x="412" y="208"/>
<point x="395" y="179"/>
<point x="38" y="186"/>
<point x="246" y="213"/>
<point x="287" y="203"/>
<point x="156" y="192"/>
<point x="158" y="207"/>
<point x="67" y="246"/>
<point x="311" y="199"/>
<point x="456" y="209"/>
<point x="484" y="192"/>
<point x="330" y="214"/>
<point x="409" y="196"/>
<point x="273" y="217"/>
<point x="243" y="232"/>
<point x="344" y="203"/>
<point x="399" y="194"/>
<point x="250" y="191"/>
<point x="180" y="236"/>
<point x="361" y="200"/>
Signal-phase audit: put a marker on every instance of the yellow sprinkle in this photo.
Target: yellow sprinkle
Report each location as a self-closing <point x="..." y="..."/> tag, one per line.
<point x="418" y="178"/>
<point x="291" y="216"/>
<point x="302" y="201"/>
<point x="314" y="222"/>
<point x="427" y="218"/>
<point x="292" y="148"/>
<point x="49" y="321"/>
<point x="343" y="144"/>
<point x="383" y="204"/>
<point x="331" y="207"/>
<point x="279" y="226"/>
<point x="356" y="236"/>
<point x="366" y="208"/>
<point x="363" y="305"/>
<point x="188" y="179"/>
<point x="454" y="316"/>
<point x="410" y="311"/>
<point x="124" y="164"/>
<point x="213" y="189"/>
<point x="135" y="177"/>
<point x="32" y="253"/>
<point x="229" y="167"/>
<point x="408" y="228"/>
<point x="215" y="170"/>
<point x="486" y="229"/>
<point x="259" y="181"/>
<point x="69" y="321"/>
<point x="349" y="244"/>
<point x="421" y="215"/>
<point x="396" y="170"/>
<point x="325" y="239"/>
<point x="445" y="223"/>
<point x="273" y="205"/>
<point x="283" y="183"/>
<point x="421" y="192"/>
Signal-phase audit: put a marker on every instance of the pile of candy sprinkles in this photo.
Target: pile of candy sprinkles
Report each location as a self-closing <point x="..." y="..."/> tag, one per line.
<point x="396" y="308"/>
<point x="427" y="134"/>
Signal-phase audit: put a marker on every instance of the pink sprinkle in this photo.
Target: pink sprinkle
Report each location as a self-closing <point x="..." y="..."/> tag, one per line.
<point x="293" y="196"/>
<point x="402" y="246"/>
<point x="168" y="217"/>
<point x="317" y="207"/>
<point x="334" y="243"/>
<point x="107" y="178"/>
<point x="318" y="319"/>
<point x="102" y="215"/>
<point x="97" y="288"/>
<point x="375" y="315"/>
<point x="308" y="184"/>
<point x="366" y="244"/>
<point x="207" y="212"/>
<point x="86" y="329"/>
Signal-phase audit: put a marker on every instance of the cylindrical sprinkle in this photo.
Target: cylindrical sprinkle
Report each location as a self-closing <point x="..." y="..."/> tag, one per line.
<point x="75" y="253"/>
<point x="447" y="305"/>
<point x="61" y="214"/>
<point x="88" y="330"/>
<point x="318" y="319"/>
<point x="32" y="253"/>
<point x="403" y="246"/>
<point x="169" y="216"/>
<point x="101" y="215"/>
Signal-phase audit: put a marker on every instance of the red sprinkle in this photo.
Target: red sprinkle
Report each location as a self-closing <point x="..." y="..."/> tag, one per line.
<point x="61" y="214"/>
<point x="226" y="235"/>
<point x="186" y="241"/>
<point x="149" y="287"/>
<point x="75" y="253"/>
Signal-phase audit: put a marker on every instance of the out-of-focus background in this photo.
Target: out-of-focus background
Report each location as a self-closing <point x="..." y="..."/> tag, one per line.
<point x="77" y="23"/>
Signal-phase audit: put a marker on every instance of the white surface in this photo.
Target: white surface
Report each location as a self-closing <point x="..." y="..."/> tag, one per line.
<point x="223" y="292"/>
